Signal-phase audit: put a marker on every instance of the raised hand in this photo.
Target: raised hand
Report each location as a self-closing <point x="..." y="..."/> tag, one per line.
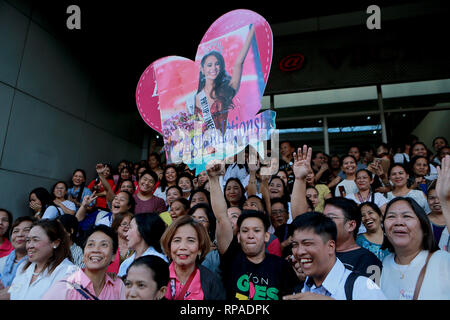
<point x="443" y="181"/>
<point x="302" y="162"/>
<point x="100" y="168"/>
<point x="215" y="168"/>
<point x="88" y="199"/>
<point x="253" y="167"/>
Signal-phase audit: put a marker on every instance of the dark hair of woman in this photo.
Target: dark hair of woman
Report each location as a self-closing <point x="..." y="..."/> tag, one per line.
<point x="286" y="196"/>
<point x="222" y="91"/>
<point x="163" y="183"/>
<point x="120" y="180"/>
<point x="55" y="231"/>
<point x="242" y="199"/>
<point x="82" y="186"/>
<point x="52" y="194"/>
<point x="211" y="218"/>
<point x="44" y="197"/>
<point x="158" y="267"/>
<point x="428" y="241"/>
<point x="200" y="190"/>
<point x="151" y="227"/>
<point x="10" y="222"/>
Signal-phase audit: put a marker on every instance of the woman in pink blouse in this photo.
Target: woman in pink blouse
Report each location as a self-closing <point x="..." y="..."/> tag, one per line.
<point x="186" y="243"/>
<point x="92" y="283"/>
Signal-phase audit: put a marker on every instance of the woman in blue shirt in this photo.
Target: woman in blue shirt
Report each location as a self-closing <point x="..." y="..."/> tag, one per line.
<point x="373" y="238"/>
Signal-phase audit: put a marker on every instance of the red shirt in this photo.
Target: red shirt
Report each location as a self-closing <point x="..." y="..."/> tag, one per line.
<point x="101" y="201"/>
<point x="5" y="248"/>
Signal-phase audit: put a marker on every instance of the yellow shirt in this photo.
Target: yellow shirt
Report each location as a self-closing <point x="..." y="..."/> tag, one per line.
<point x="323" y="191"/>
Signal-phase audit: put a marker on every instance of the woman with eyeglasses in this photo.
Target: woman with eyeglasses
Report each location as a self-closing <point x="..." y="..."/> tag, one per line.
<point x="121" y="225"/>
<point x="202" y="213"/>
<point x="143" y="236"/>
<point x="279" y="217"/>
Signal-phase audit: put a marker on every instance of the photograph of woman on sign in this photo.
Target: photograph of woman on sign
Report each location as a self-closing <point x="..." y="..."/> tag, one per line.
<point x="216" y="88"/>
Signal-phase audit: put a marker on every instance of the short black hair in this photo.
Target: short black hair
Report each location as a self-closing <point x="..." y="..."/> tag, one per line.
<point x="282" y="201"/>
<point x="151" y="173"/>
<point x="253" y="214"/>
<point x="156" y="155"/>
<point x="70" y="222"/>
<point x="341" y="160"/>
<point x="349" y="209"/>
<point x="151" y="227"/>
<point x="131" y="200"/>
<point x="261" y="200"/>
<point x="106" y="230"/>
<point x="318" y="222"/>
<point x="199" y="190"/>
<point x="158" y="267"/>
<point x="443" y="138"/>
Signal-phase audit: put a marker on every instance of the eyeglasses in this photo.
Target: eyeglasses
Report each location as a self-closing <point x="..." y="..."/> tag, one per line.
<point x="334" y="217"/>
<point x="125" y="225"/>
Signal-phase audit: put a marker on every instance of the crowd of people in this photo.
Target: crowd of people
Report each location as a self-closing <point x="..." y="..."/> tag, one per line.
<point x="370" y="224"/>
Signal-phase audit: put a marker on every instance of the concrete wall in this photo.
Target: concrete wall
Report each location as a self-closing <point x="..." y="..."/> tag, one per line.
<point x="53" y="117"/>
<point x="435" y="124"/>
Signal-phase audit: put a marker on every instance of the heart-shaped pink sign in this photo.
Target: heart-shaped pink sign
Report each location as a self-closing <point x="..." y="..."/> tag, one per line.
<point x="219" y="92"/>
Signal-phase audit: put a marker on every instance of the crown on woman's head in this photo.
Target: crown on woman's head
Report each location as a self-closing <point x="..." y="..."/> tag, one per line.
<point x="215" y="46"/>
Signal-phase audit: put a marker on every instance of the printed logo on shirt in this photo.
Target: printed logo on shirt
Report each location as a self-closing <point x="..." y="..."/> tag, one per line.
<point x="405" y="295"/>
<point x="255" y="288"/>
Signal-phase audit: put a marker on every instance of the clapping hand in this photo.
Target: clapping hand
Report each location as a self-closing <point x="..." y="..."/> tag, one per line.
<point x="302" y="162"/>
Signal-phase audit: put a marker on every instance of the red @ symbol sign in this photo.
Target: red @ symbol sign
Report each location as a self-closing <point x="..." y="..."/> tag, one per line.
<point x="292" y="62"/>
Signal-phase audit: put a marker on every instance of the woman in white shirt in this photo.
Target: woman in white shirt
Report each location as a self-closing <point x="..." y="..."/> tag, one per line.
<point x="364" y="180"/>
<point x="398" y="175"/>
<point x="169" y="179"/>
<point x="347" y="186"/>
<point x="420" y="149"/>
<point x="48" y="261"/>
<point x="64" y="206"/>
<point x="410" y="239"/>
<point x="144" y="237"/>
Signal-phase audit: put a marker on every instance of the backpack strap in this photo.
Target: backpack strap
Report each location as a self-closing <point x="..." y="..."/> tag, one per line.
<point x="349" y="284"/>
